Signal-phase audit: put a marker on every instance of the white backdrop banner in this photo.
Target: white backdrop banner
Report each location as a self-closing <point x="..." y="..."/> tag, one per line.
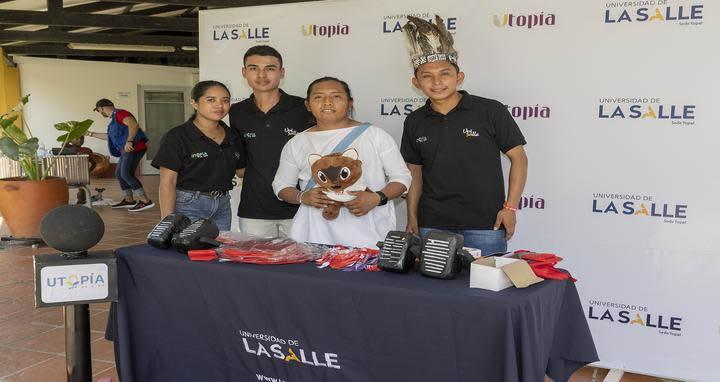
<point x="616" y="101"/>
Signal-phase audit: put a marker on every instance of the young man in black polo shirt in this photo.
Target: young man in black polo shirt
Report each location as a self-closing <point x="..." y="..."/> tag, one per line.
<point x="452" y="146"/>
<point x="266" y="121"/>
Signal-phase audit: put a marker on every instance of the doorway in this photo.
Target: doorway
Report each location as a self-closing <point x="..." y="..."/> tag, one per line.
<point x="161" y="109"/>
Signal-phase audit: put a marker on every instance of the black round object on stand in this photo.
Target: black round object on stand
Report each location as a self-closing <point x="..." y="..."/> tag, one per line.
<point x="73" y="230"/>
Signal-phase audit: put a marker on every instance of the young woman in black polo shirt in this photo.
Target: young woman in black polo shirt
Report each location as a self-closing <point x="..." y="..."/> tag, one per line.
<point x="198" y="159"/>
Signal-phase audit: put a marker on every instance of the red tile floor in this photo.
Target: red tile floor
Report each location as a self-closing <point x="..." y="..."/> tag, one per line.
<point x="32" y="341"/>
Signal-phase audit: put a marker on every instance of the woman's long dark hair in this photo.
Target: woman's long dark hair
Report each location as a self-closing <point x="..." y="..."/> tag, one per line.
<point x="201" y="88"/>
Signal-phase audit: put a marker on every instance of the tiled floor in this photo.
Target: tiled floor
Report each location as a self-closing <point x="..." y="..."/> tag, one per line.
<point x="32" y="341"/>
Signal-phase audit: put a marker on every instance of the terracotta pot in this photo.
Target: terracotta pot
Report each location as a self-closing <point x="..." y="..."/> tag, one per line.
<point x="23" y="203"/>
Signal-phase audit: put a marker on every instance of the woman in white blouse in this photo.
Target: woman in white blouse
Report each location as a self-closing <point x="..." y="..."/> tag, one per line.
<point x="367" y="218"/>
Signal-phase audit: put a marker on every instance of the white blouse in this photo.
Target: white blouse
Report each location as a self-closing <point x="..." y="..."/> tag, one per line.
<point x="381" y="164"/>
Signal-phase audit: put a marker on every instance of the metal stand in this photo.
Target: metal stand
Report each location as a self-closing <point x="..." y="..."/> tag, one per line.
<point x="77" y="343"/>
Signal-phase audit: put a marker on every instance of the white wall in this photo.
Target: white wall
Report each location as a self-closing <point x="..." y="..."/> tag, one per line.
<point x="62" y="90"/>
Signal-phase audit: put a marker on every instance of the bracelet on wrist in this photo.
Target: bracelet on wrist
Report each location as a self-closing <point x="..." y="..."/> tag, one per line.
<point x="299" y="197"/>
<point x="509" y="207"/>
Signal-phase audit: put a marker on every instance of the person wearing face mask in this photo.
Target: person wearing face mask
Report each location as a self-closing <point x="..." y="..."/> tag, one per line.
<point x="367" y="218"/>
<point x="198" y="159"/>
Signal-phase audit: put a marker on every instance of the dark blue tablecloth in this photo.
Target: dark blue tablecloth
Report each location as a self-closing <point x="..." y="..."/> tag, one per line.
<point x="178" y="320"/>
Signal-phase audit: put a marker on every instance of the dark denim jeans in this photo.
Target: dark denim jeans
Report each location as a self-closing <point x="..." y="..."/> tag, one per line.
<point x="487" y="241"/>
<point x="125" y="173"/>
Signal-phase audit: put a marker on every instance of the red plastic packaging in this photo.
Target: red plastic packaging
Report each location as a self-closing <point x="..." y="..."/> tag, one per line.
<point x="241" y="248"/>
<point x="543" y="264"/>
<point x="202" y="255"/>
<point x="349" y="259"/>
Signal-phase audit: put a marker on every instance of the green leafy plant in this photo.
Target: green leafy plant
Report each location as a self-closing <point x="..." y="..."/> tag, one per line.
<point x="23" y="148"/>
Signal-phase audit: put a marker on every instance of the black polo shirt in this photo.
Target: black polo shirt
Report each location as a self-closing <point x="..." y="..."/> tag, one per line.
<point x="463" y="185"/>
<point x="263" y="136"/>
<point x="201" y="164"/>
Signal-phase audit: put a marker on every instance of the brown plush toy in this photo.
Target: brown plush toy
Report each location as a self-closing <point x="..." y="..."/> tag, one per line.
<point x="337" y="173"/>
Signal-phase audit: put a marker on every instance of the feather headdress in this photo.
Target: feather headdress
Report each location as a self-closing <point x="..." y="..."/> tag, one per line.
<point x="429" y="42"/>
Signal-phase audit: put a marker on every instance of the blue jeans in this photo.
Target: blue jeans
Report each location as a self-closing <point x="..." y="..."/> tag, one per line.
<point x="125" y="173"/>
<point x="487" y="241"/>
<point x="196" y="206"/>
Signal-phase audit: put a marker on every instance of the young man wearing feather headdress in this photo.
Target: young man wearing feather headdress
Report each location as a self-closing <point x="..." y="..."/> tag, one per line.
<point x="452" y="146"/>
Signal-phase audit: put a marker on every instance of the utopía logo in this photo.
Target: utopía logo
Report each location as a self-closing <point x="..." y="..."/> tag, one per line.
<point x="287" y="350"/>
<point x="240" y="31"/>
<point x="634" y="316"/>
<point x="529" y="112"/>
<point x="640" y="206"/>
<point x="652" y="11"/>
<point x="531" y="202"/>
<point x="394" y="23"/>
<point x="510" y="20"/>
<point x="331" y="30"/>
<point x="644" y="108"/>
<point x="75" y="281"/>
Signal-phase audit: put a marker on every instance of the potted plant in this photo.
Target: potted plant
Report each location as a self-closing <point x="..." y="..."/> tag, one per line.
<point x="24" y="200"/>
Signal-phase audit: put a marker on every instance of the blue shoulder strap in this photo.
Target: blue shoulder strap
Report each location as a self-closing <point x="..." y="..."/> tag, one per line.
<point x="341" y="147"/>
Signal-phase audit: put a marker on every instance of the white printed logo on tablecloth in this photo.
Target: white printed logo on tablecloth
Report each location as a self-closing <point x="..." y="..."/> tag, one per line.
<point x="286" y="350"/>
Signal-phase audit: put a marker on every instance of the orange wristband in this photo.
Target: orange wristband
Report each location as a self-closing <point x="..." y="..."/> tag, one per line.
<point x="507" y="207"/>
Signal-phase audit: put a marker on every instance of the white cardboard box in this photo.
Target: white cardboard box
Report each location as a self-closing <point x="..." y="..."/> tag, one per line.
<point x="495" y="273"/>
<point x="486" y="273"/>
